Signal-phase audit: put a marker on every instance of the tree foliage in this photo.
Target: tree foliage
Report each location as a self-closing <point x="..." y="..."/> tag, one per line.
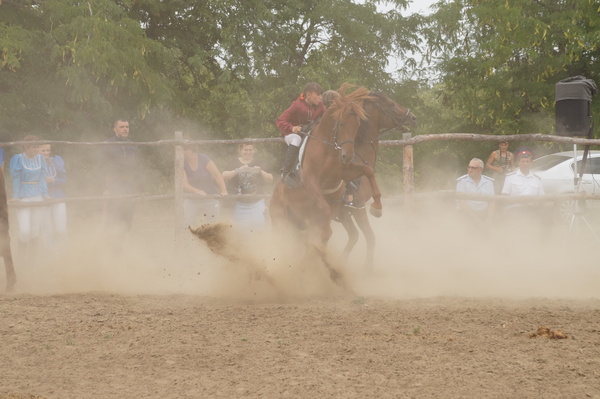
<point x="82" y="64"/>
<point x="499" y="60"/>
<point x="228" y="67"/>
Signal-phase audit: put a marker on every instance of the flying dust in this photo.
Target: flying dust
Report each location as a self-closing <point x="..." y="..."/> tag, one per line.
<point x="424" y="253"/>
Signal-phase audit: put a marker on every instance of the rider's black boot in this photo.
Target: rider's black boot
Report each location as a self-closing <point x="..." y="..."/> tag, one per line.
<point x="288" y="176"/>
<point x="351" y="189"/>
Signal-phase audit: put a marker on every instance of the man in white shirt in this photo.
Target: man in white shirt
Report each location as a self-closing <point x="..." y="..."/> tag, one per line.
<point x="522" y="182"/>
<point x="481" y="212"/>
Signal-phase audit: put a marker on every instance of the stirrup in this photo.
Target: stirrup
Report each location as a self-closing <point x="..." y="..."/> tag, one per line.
<point x="290" y="180"/>
<point x="354" y="204"/>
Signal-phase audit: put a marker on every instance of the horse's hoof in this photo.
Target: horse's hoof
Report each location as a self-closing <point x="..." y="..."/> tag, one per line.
<point x="375" y="212"/>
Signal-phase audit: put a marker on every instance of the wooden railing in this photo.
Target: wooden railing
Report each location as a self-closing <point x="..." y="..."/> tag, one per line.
<point x="408" y="141"/>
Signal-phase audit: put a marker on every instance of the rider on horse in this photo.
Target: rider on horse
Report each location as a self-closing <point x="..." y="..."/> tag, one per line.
<point x="306" y="109"/>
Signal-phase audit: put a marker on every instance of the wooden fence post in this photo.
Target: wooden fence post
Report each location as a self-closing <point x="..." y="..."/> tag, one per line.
<point x="178" y="187"/>
<point x="408" y="172"/>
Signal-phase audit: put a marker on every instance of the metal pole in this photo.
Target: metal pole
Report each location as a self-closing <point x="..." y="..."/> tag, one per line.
<point x="576" y="177"/>
<point x="178" y="205"/>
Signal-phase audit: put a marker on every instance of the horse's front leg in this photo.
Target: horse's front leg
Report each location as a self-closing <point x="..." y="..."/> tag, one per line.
<point x="325" y="216"/>
<point x="376" y="207"/>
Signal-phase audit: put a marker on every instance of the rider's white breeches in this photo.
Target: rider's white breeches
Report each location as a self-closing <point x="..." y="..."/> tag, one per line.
<point x="293" y="139"/>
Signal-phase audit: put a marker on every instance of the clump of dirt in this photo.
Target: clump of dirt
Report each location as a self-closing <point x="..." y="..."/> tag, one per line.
<point x="220" y="241"/>
<point x="545" y="332"/>
<point x="215" y="236"/>
<point x="224" y="241"/>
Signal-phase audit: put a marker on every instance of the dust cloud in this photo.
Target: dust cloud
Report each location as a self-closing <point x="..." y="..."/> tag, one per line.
<point x="434" y="253"/>
<point x="425" y="253"/>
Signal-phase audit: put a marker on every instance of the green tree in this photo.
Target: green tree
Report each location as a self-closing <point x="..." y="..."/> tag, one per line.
<point x="499" y="60"/>
<point x="223" y="67"/>
<point x="243" y="61"/>
<point x="72" y="66"/>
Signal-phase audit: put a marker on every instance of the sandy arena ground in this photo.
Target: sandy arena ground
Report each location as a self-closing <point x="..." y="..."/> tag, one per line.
<point x="444" y="314"/>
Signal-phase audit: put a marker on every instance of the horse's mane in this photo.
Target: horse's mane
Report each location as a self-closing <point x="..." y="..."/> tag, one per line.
<point x="352" y="102"/>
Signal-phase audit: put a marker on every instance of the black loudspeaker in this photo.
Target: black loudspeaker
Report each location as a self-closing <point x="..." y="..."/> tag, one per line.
<point x="573" y="116"/>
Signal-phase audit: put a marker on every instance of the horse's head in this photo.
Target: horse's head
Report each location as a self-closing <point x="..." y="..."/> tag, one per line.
<point x="391" y="115"/>
<point x="347" y="114"/>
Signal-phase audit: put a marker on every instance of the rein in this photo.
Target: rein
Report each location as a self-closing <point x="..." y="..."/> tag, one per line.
<point x="392" y="117"/>
<point x="334" y="145"/>
<point x="383" y="132"/>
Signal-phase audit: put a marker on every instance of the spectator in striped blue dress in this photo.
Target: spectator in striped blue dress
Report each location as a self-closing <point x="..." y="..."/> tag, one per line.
<point x="28" y="171"/>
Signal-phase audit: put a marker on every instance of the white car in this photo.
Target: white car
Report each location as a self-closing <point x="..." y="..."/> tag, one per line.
<point x="557" y="172"/>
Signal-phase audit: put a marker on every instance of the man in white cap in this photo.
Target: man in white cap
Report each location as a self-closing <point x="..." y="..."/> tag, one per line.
<point x="480" y="212"/>
<point x="522" y="181"/>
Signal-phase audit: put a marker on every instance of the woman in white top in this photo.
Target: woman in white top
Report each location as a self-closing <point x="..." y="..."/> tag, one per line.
<point x="56" y="180"/>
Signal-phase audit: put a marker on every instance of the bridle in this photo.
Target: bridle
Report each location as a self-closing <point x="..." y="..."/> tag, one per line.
<point x="390" y="114"/>
<point x="384" y="110"/>
<point x="399" y="121"/>
<point x="338" y="146"/>
<point x="334" y="144"/>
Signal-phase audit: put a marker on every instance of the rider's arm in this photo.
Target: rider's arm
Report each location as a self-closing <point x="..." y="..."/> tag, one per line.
<point x="187" y="187"/>
<point x="285" y="122"/>
<point x="216" y="175"/>
<point x="490" y="161"/>
<point x="229" y="174"/>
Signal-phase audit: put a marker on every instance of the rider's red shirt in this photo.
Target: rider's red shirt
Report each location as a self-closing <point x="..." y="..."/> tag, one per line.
<point x="299" y="113"/>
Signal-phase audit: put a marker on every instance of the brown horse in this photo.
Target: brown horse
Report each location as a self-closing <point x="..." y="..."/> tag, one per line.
<point x="383" y="115"/>
<point x="327" y="154"/>
<point x="5" y="252"/>
<point x="330" y="159"/>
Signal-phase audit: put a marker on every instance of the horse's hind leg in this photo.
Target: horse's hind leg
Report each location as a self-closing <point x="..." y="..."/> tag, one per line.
<point x="334" y="275"/>
<point x="5" y="252"/>
<point x="346" y="220"/>
<point x="277" y="208"/>
<point x="11" y="277"/>
<point x="362" y="219"/>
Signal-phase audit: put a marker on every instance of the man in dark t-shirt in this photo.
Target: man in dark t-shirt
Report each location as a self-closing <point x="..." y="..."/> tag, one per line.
<point x="120" y="167"/>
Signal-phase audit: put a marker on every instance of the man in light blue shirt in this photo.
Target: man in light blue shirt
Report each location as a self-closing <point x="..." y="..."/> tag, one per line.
<point x="475" y="182"/>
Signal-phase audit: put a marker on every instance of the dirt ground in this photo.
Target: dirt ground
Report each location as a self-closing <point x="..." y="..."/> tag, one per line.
<point x="444" y="314"/>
